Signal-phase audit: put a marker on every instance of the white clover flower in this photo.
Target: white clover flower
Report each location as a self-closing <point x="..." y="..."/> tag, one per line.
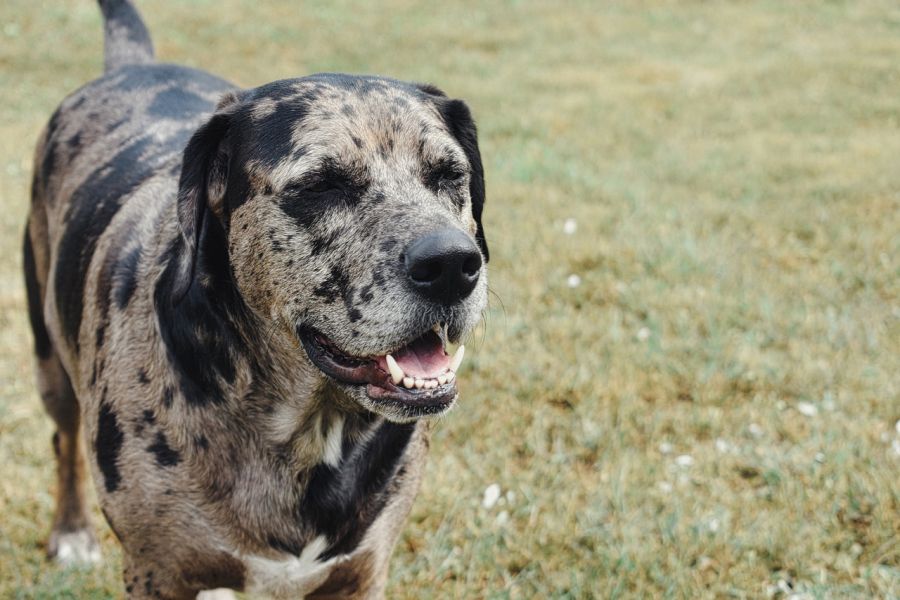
<point x="491" y="495"/>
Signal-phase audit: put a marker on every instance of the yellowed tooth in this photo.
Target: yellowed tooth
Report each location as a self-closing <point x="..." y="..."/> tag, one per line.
<point x="450" y="376"/>
<point x="408" y="382"/>
<point x="457" y="358"/>
<point x="420" y="383"/>
<point x="442" y="379"/>
<point x="394" y="368"/>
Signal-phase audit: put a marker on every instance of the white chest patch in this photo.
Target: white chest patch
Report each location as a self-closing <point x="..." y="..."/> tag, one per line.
<point x="333" y="443"/>
<point x="291" y="577"/>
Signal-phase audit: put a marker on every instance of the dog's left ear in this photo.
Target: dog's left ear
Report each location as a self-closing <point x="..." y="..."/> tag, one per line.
<point x="458" y="117"/>
<point x="201" y="188"/>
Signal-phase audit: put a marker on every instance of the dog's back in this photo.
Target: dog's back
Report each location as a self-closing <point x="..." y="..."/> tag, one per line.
<point x="103" y="177"/>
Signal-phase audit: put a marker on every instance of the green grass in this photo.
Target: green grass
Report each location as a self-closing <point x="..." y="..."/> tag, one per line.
<point x="734" y="172"/>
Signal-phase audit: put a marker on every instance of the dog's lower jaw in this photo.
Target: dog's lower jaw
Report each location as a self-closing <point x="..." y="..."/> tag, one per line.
<point x="357" y="400"/>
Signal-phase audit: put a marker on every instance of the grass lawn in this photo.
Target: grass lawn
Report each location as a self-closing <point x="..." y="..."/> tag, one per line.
<point x="712" y="410"/>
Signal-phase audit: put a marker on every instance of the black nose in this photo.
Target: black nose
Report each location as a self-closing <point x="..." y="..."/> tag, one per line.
<point x="443" y="265"/>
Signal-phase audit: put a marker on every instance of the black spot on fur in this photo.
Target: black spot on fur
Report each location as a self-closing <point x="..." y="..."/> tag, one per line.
<point x="320" y="244"/>
<point x="99" y="335"/>
<point x="42" y="344"/>
<point x="107" y="446"/>
<point x="274" y="132"/>
<point x="93" y="205"/>
<point x="142" y="377"/>
<point x="356" y="141"/>
<point x="166" y="456"/>
<point x="354" y="315"/>
<point x="336" y="286"/>
<point x="168" y="395"/>
<point x="342" y="502"/>
<point x="149" y="417"/>
<point x="365" y="294"/>
<point x="125" y="273"/>
<point x="201" y="442"/>
<point x="175" y="102"/>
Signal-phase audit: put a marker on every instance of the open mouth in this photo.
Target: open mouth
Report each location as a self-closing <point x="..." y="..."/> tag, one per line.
<point x="419" y="375"/>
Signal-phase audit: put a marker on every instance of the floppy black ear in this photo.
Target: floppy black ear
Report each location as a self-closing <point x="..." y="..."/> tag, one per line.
<point x="201" y="188"/>
<point x="459" y="120"/>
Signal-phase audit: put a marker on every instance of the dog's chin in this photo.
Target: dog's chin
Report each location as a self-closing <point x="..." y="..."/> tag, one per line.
<point x="402" y="408"/>
<point x="427" y="389"/>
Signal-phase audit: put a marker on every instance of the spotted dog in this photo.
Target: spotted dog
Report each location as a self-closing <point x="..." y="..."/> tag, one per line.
<point x="242" y="299"/>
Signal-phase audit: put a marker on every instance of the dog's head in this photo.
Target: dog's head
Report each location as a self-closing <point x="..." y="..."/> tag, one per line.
<point x="351" y="211"/>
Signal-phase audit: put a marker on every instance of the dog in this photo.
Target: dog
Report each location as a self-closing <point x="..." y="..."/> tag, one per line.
<point x="242" y="299"/>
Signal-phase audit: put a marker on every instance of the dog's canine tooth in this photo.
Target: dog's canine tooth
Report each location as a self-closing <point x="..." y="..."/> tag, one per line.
<point x="394" y="368"/>
<point x="408" y="382"/>
<point x="420" y="383"/>
<point x="442" y="378"/>
<point x="450" y="376"/>
<point x="457" y="359"/>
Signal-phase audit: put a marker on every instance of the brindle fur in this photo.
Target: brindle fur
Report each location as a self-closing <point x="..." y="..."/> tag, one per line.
<point x="173" y="248"/>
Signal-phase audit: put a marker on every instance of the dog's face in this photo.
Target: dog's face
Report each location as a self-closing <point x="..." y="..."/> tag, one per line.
<point x="351" y="207"/>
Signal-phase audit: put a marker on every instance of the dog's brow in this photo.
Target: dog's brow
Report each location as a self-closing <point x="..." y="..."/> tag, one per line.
<point x="333" y="169"/>
<point x="447" y="165"/>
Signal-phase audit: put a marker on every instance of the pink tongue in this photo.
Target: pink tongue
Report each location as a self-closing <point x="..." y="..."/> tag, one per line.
<point x="425" y="357"/>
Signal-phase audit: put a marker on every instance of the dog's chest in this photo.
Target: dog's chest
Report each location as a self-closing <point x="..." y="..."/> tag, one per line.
<point x="293" y="576"/>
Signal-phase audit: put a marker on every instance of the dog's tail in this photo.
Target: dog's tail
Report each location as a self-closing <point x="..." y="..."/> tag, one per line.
<point x="126" y="39"/>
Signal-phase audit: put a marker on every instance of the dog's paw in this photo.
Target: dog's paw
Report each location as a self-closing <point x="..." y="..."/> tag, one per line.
<point x="73" y="548"/>
<point x="217" y="594"/>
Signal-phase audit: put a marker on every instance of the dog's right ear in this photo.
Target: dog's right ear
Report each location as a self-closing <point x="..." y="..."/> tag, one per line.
<point x="201" y="188"/>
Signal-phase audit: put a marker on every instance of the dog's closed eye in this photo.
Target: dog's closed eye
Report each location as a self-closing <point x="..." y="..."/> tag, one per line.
<point x="444" y="174"/>
<point x="330" y="180"/>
